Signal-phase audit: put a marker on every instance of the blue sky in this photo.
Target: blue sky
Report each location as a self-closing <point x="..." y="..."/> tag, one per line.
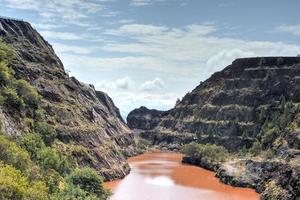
<point x="151" y="52"/>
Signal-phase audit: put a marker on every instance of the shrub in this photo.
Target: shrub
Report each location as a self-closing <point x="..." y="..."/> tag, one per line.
<point x="270" y="136"/>
<point x="46" y="131"/>
<point x="72" y="192"/>
<point x="268" y="154"/>
<point x="32" y="143"/>
<point x="206" y="152"/>
<point x="256" y="148"/>
<point x="5" y="74"/>
<point x="13" y="185"/>
<point x="49" y="158"/>
<point x="53" y="180"/>
<point x="12" y="154"/>
<point x="273" y="191"/>
<point x="7" y="54"/>
<point x="89" y="180"/>
<point x="11" y="99"/>
<point x="28" y="93"/>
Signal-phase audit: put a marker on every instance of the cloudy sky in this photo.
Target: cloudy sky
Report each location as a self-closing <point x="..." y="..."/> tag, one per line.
<point x="151" y="52"/>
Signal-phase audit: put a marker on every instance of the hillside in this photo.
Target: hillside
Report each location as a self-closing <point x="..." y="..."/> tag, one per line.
<point x="87" y="122"/>
<point x="252" y="109"/>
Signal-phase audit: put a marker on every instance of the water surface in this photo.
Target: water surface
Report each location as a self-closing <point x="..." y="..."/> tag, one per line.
<point x="162" y="176"/>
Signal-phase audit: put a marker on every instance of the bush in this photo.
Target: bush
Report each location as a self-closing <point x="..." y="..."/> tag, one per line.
<point x="7" y="54"/>
<point x="46" y="131"/>
<point x="13" y="185"/>
<point x="53" y="180"/>
<point x="88" y="180"/>
<point x="11" y="99"/>
<point x="12" y="154"/>
<point x="270" y="136"/>
<point x="5" y="74"/>
<point x="32" y="143"/>
<point x="28" y="93"/>
<point x="205" y="152"/>
<point x="273" y="191"/>
<point x="256" y="148"/>
<point x="49" y="158"/>
<point x="72" y="192"/>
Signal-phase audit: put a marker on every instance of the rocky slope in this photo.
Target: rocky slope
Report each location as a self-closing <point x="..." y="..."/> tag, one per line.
<point x="233" y="103"/>
<point x="88" y="123"/>
<point x="252" y="109"/>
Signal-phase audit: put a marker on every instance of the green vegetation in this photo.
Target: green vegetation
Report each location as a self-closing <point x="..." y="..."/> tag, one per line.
<point x="12" y="154"/>
<point x="34" y="166"/>
<point x="14" y="185"/>
<point x="88" y="180"/>
<point x="206" y="152"/>
<point x="46" y="131"/>
<point x="273" y="191"/>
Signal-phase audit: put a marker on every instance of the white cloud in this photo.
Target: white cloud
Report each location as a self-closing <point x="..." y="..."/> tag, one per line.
<point x="153" y="85"/>
<point x="145" y="2"/>
<point x="70" y="36"/>
<point x="292" y="29"/>
<point x="62" y="48"/>
<point x="61" y="35"/>
<point x="122" y="84"/>
<point x="192" y="46"/>
<point x="69" y="11"/>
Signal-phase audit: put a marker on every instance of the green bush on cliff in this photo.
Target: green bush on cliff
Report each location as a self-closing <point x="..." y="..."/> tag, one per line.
<point x="49" y="158"/>
<point x="14" y="185"/>
<point x="32" y="143"/>
<point x="273" y="191"/>
<point x="73" y="192"/>
<point x="5" y="74"/>
<point x="7" y="54"/>
<point x="256" y="148"/>
<point x="12" y="100"/>
<point x="28" y="93"/>
<point x="205" y="152"/>
<point x="12" y="154"/>
<point x="46" y="131"/>
<point x="88" y="180"/>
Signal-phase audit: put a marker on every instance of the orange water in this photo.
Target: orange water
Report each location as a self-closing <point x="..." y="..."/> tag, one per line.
<point x="162" y="176"/>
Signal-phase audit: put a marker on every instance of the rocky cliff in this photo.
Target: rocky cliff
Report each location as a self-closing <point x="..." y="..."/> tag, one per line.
<point x="252" y="109"/>
<point x="88" y="123"/>
<point x="233" y="103"/>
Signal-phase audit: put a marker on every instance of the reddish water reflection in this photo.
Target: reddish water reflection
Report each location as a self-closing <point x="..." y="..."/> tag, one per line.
<point x="161" y="176"/>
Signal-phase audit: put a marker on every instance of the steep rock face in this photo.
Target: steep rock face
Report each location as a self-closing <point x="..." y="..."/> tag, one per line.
<point x="87" y="121"/>
<point x="235" y="102"/>
<point x="144" y="118"/>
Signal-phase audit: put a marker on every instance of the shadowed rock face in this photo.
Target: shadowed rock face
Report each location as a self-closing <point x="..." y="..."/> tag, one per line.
<point x="144" y="118"/>
<point x="83" y="117"/>
<point x="231" y="102"/>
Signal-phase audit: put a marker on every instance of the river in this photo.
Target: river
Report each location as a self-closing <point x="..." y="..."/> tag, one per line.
<point x="162" y="176"/>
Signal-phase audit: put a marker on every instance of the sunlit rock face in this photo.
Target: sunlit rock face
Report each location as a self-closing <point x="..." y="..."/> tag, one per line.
<point x="87" y="121"/>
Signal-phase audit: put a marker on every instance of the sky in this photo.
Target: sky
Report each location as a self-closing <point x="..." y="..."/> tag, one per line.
<point x="152" y="52"/>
